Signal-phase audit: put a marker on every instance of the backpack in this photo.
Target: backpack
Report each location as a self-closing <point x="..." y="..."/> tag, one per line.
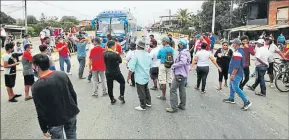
<point x="169" y="60"/>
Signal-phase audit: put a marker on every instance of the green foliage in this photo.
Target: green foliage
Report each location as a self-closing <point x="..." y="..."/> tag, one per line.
<point x="69" y="19"/>
<point x="31" y="19"/>
<point x="5" y="19"/>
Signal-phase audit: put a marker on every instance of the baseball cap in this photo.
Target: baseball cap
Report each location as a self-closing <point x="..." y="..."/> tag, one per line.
<point x="166" y="39"/>
<point x="141" y="44"/>
<point x="183" y="42"/>
<point x="198" y="36"/>
<point x="97" y="40"/>
<point x="260" y="41"/>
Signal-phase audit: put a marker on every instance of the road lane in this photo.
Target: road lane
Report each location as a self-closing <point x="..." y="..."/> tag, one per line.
<point x="206" y="116"/>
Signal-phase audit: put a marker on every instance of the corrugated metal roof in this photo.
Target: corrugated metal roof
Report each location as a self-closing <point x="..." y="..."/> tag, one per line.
<point x="258" y="28"/>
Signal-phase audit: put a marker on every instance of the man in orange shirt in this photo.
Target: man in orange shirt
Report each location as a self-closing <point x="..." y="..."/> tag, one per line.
<point x="118" y="46"/>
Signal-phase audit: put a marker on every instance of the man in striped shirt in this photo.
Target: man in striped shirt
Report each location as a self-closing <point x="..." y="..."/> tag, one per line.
<point x="236" y="72"/>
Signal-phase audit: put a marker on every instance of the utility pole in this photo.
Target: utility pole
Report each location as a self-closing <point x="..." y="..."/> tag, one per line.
<point x="214" y="13"/>
<point x="170" y="14"/>
<point x="231" y="10"/>
<point x="25" y="8"/>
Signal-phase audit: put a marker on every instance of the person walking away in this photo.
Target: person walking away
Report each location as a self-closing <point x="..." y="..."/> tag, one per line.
<point x="201" y="59"/>
<point x="166" y="56"/>
<point x="172" y="42"/>
<point x="55" y="100"/>
<point x="281" y="40"/>
<point x="96" y="66"/>
<point x="128" y="57"/>
<point x="3" y="35"/>
<point x="180" y="69"/>
<point x="154" y="70"/>
<point x="9" y="64"/>
<point x="236" y="69"/>
<point x="262" y="63"/>
<point x="27" y="70"/>
<point x="46" y="41"/>
<point x="43" y="50"/>
<point x="223" y="56"/>
<point x="192" y="46"/>
<point x="26" y="40"/>
<point x="140" y="64"/>
<point x="62" y="49"/>
<point x="269" y="44"/>
<point x="19" y="51"/>
<point x="213" y="41"/>
<point x="112" y="60"/>
<point x="81" y="43"/>
<point x="248" y="50"/>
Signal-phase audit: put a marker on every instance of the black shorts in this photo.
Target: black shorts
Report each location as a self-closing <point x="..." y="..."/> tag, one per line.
<point x="10" y="80"/>
<point x="270" y="69"/>
<point x="28" y="80"/>
<point x="154" y="72"/>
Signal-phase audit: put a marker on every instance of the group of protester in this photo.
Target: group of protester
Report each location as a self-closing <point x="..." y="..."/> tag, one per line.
<point x="160" y="63"/>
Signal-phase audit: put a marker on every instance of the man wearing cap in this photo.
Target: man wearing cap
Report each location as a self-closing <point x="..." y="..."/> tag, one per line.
<point x="27" y="70"/>
<point x="181" y="69"/>
<point x="236" y="72"/>
<point x="112" y="60"/>
<point x="62" y="49"/>
<point x="46" y="41"/>
<point x="165" y="72"/>
<point x="262" y="63"/>
<point x="140" y="64"/>
<point x="248" y="50"/>
<point x="96" y="66"/>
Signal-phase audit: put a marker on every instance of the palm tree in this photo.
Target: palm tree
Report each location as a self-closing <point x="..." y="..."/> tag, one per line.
<point x="183" y="16"/>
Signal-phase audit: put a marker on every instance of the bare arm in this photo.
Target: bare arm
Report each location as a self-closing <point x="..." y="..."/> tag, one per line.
<point x="6" y="65"/>
<point x="215" y="62"/>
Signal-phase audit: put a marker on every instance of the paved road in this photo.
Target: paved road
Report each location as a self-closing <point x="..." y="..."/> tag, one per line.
<point x="206" y="115"/>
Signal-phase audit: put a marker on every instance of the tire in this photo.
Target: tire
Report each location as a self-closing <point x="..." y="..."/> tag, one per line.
<point x="284" y="79"/>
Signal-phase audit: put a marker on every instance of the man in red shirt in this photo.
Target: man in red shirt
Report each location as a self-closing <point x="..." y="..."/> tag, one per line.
<point x="118" y="47"/>
<point x="62" y="49"/>
<point x="27" y="70"/>
<point x="208" y="40"/>
<point x="96" y="66"/>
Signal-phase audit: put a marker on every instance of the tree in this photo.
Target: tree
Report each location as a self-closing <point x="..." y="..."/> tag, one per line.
<point x="72" y="19"/>
<point x="183" y="15"/>
<point x="31" y="19"/>
<point x="5" y="19"/>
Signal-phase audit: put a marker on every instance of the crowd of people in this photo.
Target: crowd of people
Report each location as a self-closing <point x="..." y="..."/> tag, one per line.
<point x="162" y="64"/>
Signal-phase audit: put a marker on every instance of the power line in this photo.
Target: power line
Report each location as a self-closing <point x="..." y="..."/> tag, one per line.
<point x="64" y="9"/>
<point x="14" y="10"/>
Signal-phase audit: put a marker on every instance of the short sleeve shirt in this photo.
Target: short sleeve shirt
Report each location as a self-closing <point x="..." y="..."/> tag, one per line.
<point x="27" y="65"/>
<point x="203" y="58"/>
<point x="272" y="50"/>
<point x="10" y="60"/>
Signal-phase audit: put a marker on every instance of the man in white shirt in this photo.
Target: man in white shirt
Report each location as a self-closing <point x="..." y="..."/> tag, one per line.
<point x="3" y="35"/>
<point x="130" y="54"/>
<point x="154" y="71"/>
<point x="262" y="63"/>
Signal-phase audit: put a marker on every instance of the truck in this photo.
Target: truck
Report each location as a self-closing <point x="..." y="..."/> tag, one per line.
<point x="119" y="23"/>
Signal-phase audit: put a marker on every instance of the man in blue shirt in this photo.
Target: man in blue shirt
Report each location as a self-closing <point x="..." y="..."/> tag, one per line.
<point x="281" y="39"/>
<point x="81" y="43"/>
<point x="165" y="73"/>
<point x="140" y="64"/>
<point x="236" y="72"/>
<point x="213" y="41"/>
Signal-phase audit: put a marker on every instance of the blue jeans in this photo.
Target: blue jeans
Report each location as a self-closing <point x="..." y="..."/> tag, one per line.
<point x="52" y="68"/>
<point x="69" y="129"/>
<point x="67" y="61"/>
<point x="260" y="71"/>
<point x="234" y="87"/>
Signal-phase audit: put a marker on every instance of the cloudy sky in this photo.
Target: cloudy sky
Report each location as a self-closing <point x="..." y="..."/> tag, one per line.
<point x="145" y="11"/>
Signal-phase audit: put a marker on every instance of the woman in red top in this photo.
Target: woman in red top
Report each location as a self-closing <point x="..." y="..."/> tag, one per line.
<point x="62" y="49"/>
<point x="118" y="46"/>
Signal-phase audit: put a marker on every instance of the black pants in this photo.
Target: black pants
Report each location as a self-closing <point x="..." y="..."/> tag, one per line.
<point x="132" y="79"/>
<point x="143" y="94"/>
<point x="3" y="38"/>
<point x="246" y="77"/>
<point x="119" y="78"/>
<point x="224" y="74"/>
<point x="260" y="71"/>
<point x="202" y="73"/>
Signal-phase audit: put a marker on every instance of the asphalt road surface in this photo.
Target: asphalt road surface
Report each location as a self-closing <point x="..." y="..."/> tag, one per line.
<point x="205" y="117"/>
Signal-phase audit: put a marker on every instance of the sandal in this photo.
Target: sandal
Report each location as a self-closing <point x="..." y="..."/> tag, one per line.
<point x="203" y="92"/>
<point x="28" y="98"/>
<point x="219" y="88"/>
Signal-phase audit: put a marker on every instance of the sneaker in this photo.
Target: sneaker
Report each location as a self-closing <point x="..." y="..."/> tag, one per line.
<point x="251" y="88"/>
<point x="113" y="101"/>
<point x="181" y="107"/>
<point x="271" y="85"/>
<point x="148" y="105"/>
<point x="162" y="97"/>
<point x="121" y="98"/>
<point x="69" y="73"/>
<point x="260" y="94"/>
<point x="154" y="88"/>
<point x="170" y="110"/>
<point x="94" y="94"/>
<point x="139" y="108"/>
<point x="231" y="101"/>
<point x="246" y="106"/>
